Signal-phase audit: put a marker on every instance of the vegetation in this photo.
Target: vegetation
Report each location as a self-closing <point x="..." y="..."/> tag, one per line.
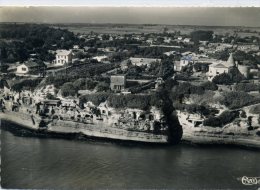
<point x="201" y="35"/>
<point x="194" y="108"/>
<point x="24" y="39"/>
<point x="247" y="87"/>
<point x="27" y="84"/>
<point x="68" y="89"/>
<point x="255" y="109"/>
<point x="238" y="99"/>
<point x="209" y="86"/>
<point x="96" y="98"/>
<point x="221" y="120"/>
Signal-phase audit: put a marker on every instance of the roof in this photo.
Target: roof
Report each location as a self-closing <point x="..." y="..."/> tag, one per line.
<point x="138" y="60"/>
<point x="219" y="64"/>
<point x="187" y="58"/>
<point x="31" y="64"/>
<point x="230" y="62"/>
<point x="63" y="52"/>
<point x="118" y="79"/>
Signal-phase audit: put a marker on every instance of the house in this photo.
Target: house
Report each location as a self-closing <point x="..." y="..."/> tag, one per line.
<point x="63" y="57"/>
<point x="220" y="67"/>
<point x="143" y="61"/>
<point x="185" y="60"/>
<point x="100" y="58"/>
<point x="170" y="53"/>
<point x="75" y="46"/>
<point x="28" y="67"/>
<point x="117" y="82"/>
<point x="186" y="40"/>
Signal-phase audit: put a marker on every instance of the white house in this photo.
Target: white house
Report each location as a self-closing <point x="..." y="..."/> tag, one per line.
<point x="185" y="60"/>
<point x="220" y="67"/>
<point x="186" y="40"/>
<point x="26" y="67"/>
<point x="100" y="58"/>
<point x="63" y="57"/>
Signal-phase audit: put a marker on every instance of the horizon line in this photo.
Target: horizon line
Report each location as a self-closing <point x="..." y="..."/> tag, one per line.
<point x="110" y="23"/>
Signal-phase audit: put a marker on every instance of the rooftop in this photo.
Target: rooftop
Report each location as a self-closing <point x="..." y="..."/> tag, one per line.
<point x="63" y="52"/>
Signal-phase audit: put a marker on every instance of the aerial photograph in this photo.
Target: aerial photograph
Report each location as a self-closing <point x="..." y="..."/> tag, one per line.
<point x="129" y="97"/>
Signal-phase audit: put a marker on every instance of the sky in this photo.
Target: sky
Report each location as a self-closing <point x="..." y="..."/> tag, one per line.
<point x="133" y="2"/>
<point x="123" y="11"/>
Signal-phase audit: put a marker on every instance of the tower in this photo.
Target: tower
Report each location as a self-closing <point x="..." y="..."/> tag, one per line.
<point x="230" y="62"/>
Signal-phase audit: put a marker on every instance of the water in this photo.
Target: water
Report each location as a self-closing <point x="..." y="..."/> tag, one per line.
<point x="29" y="162"/>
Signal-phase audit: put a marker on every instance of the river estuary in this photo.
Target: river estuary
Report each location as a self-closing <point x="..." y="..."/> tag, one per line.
<point x="31" y="162"/>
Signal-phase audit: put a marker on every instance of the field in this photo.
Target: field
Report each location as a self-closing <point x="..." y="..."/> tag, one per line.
<point x="129" y="28"/>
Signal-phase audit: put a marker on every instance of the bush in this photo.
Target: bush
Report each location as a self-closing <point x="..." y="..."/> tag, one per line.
<point x="209" y="86"/>
<point x="247" y="87"/>
<point x="96" y="98"/>
<point x="28" y="84"/>
<point x="223" y="78"/>
<point x="255" y="109"/>
<point x="183" y="89"/>
<point x="223" y="119"/>
<point x="129" y="101"/>
<point x="234" y="100"/>
<point x="102" y="86"/>
<point x="68" y="89"/>
<point x="80" y="84"/>
<point x="201" y="35"/>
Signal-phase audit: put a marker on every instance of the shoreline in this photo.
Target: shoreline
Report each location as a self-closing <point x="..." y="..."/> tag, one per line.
<point x="27" y="130"/>
<point x="23" y="128"/>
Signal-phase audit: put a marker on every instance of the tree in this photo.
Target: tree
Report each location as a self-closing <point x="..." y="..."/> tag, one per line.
<point x="102" y="86"/>
<point x="209" y="86"/>
<point x="201" y="35"/>
<point x="223" y="78"/>
<point x="68" y="89"/>
<point x="80" y="84"/>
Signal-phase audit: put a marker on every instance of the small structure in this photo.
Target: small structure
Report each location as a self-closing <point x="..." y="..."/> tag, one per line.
<point x="63" y="57"/>
<point x="117" y="82"/>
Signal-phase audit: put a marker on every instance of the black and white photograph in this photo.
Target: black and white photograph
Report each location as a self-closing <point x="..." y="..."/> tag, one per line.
<point x="130" y="95"/>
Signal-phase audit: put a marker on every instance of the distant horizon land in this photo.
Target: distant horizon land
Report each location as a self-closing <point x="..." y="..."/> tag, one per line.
<point x="171" y="16"/>
<point x="130" y="24"/>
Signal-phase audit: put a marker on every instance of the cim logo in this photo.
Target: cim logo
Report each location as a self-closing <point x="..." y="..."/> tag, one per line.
<point x="250" y="180"/>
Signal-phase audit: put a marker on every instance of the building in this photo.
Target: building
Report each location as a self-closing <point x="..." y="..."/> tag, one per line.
<point x="143" y="61"/>
<point x="28" y="68"/>
<point x="247" y="47"/>
<point x="220" y="67"/>
<point x="100" y="58"/>
<point x="63" y="57"/>
<point x="117" y="82"/>
<point x="185" y="60"/>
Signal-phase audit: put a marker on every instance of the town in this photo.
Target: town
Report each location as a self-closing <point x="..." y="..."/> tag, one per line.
<point x="199" y="86"/>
